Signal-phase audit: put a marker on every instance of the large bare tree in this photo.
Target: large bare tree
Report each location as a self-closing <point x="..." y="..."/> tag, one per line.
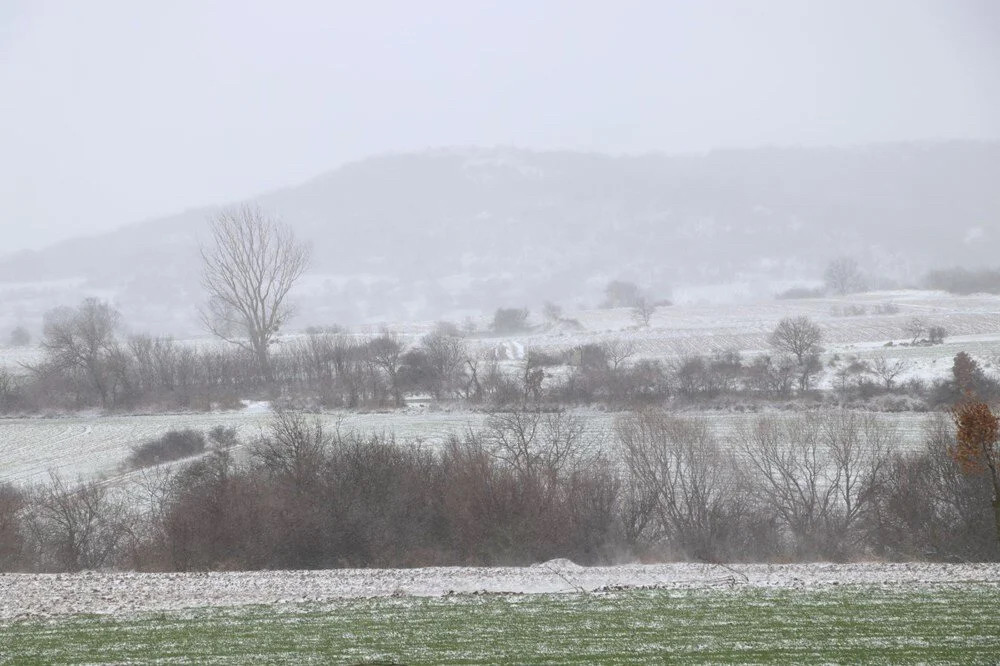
<point x="83" y="339"/>
<point x="843" y="276"/>
<point x="643" y="311"/>
<point x="252" y="263"/>
<point x="798" y="336"/>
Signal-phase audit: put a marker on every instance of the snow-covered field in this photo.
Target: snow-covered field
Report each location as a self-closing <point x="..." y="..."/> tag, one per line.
<point x="696" y="327"/>
<point x="701" y="328"/>
<point x="972" y="324"/>
<point x="93" y="446"/>
<point x="123" y="594"/>
<point x="90" y="445"/>
<point x="13" y="359"/>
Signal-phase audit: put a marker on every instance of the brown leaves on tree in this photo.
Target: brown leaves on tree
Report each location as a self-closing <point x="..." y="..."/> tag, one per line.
<point x="977" y="432"/>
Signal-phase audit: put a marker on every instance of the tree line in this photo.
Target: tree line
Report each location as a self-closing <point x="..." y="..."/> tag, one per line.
<point x="527" y="486"/>
<point x="88" y="363"/>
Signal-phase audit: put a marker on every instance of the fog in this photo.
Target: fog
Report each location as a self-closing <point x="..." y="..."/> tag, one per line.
<point x="115" y="112"/>
<point x="559" y="283"/>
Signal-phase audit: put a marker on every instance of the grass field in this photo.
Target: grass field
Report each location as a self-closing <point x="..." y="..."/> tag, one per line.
<point x="893" y="624"/>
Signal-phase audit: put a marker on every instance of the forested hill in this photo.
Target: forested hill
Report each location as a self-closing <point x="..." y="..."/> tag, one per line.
<point x="430" y="233"/>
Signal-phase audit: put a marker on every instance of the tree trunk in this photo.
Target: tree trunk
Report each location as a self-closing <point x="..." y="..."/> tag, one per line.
<point x="996" y="516"/>
<point x="995" y="477"/>
<point x="264" y="361"/>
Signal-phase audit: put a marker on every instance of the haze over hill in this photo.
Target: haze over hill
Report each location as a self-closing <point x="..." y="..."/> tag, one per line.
<point x="454" y="231"/>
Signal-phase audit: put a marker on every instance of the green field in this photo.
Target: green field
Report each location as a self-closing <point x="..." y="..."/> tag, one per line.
<point x="954" y="623"/>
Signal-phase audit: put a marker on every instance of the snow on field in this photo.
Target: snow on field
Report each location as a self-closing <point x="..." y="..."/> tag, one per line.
<point x="92" y="445"/>
<point x="13" y="359"/>
<point x="122" y="594"/>
<point x="702" y="328"/>
<point x="88" y="446"/>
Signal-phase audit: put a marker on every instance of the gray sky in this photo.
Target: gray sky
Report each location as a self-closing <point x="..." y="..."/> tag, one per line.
<point x="111" y="112"/>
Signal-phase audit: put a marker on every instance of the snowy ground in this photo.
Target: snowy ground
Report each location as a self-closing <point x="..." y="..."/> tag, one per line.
<point x="972" y="323"/>
<point x="89" y="445"/>
<point x="701" y="328"/>
<point x="95" y="446"/>
<point x="92" y="445"/>
<point x="705" y="327"/>
<point x="123" y="594"/>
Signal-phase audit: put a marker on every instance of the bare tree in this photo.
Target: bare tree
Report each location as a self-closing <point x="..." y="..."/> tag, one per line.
<point x="253" y="262"/>
<point x="510" y="320"/>
<point x="888" y="369"/>
<point x="843" y="276"/>
<point x="387" y="350"/>
<point x="535" y="442"/>
<point x="83" y="338"/>
<point x="621" y="294"/>
<point x="682" y="477"/>
<point x="791" y="472"/>
<point x="77" y="526"/>
<point x="552" y="312"/>
<point x="936" y="334"/>
<point x="12" y="531"/>
<point x="20" y="337"/>
<point x="915" y="328"/>
<point x="798" y="336"/>
<point x="860" y="447"/>
<point x="446" y="356"/>
<point x="618" y="351"/>
<point x="293" y="449"/>
<point x="819" y="474"/>
<point x="8" y="389"/>
<point x="643" y="311"/>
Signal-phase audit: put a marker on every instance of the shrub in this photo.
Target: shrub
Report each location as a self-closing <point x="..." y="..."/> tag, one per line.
<point x="936" y="335"/>
<point x="11" y="529"/>
<point x="801" y="292"/>
<point x="173" y="445"/>
<point x="962" y="281"/>
<point x="885" y="309"/>
<point x="20" y="337"/>
<point x="223" y="437"/>
<point x="849" y="311"/>
<point x="621" y="294"/>
<point x="510" y="320"/>
<point x="537" y="358"/>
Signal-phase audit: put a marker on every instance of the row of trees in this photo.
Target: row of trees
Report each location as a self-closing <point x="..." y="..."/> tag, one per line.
<point x="89" y="363"/>
<point x="529" y="486"/>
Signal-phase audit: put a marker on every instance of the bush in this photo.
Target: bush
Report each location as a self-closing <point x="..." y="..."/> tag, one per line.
<point x="621" y="294"/>
<point x="885" y="309"/>
<point x="173" y="445"/>
<point x="537" y="358"/>
<point x="849" y="311"/>
<point x="12" y="531"/>
<point x="962" y="281"/>
<point x="20" y="337"/>
<point x="527" y="486"/>
<point x="801" y="292"/>
<point x="936" y="335"/>
<point x="510" y="320"/>
<point x="223" y="437"/>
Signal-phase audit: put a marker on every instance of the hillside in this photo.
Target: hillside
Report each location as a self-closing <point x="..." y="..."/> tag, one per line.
<point x="429" y="234"/>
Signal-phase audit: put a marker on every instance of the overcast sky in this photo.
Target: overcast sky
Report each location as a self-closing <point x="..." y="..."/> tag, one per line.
<point x="111" y="112"/>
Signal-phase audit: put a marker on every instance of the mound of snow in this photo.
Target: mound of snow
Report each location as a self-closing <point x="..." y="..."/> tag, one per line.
<point x="558" y="564"/>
